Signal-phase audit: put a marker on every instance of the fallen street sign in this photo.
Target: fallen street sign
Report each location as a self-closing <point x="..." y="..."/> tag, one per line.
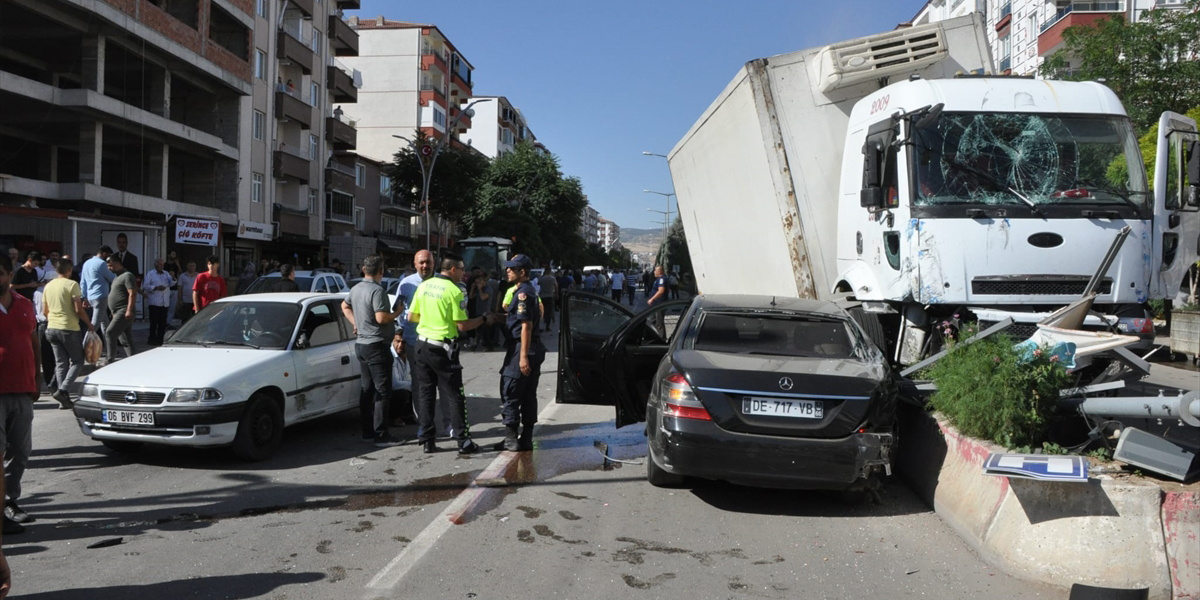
<point x="1044" y="467"/>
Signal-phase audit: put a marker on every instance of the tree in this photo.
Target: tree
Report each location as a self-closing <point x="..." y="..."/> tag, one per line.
<point x="676" y="248"/>
<point x="620" y="257"/>
<point x="457" y="175"/>
<point x="1151" y="65"/>
<point x="525" y="197"/>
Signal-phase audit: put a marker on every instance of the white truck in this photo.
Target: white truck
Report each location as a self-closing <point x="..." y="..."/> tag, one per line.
<point x="894" y="168"/>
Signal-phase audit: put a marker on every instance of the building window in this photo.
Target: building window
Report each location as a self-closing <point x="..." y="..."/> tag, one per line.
<point x="261" y="8"/>
<point x="439" y="117"/>
<point x="260" y="64"/>
<point x="389" y="225"/>
<point x="317" y="38"/>
<point x="312" y="147"/>
<point x="314" y="93"/>
<point x="312" y="201"/>
<point x="385" y="186"/>
<point x="256" y="188"/>
<point x="260" y="124"/>
<point x="339" y="207"/>
<point x="360" y="175"/>
<point x="360" y="218"/>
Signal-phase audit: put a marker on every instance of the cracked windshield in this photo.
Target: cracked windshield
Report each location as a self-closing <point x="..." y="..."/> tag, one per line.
<point x="998" y="158"/>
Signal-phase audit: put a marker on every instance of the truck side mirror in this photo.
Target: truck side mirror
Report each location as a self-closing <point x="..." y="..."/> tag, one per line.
<point x="871" y="196"/>
<point x="1192" y="157"/>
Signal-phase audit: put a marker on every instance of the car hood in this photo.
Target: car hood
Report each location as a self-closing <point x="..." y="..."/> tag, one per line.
<point x="185" y="367"/>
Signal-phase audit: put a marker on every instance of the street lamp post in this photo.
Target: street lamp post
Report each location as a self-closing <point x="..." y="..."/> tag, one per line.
<point x="431" y="152"/>
<point x="666" y="218"/>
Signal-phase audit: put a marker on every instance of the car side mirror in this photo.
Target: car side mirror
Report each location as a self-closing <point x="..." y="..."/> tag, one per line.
<point x="302" y="342"/>
<point x="871" y="195"/>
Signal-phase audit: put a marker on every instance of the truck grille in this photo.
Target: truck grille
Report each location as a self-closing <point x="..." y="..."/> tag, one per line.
<point x="1016" y="332"/>
<point x="1035" y="286"/>
<point x="118" y="397"/>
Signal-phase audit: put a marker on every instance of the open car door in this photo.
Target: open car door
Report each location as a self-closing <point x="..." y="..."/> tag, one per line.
<point x="632" y="354"/>
<point x="1176" y="204"/>
<point x="586" y="321"/>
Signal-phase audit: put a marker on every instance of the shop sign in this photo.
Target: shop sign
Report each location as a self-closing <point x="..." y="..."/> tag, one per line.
<point x="251" y="230"/>
<point x="200" y="232"/>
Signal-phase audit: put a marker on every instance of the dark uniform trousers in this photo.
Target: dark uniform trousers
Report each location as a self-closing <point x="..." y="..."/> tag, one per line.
<point x="518" y="393"/>
<point x="435" y="371"/>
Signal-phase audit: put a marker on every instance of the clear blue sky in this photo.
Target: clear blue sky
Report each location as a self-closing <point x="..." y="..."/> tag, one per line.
<point x="600" y="81"/>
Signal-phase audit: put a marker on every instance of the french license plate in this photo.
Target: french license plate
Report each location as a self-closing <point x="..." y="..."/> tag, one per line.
<point x="128" y="417"/>
<point x="775" y="407"/>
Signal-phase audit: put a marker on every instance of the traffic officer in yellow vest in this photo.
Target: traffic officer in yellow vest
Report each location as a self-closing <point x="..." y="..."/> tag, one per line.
<point x="440" y="312"/>
<point x="523" y="356"/>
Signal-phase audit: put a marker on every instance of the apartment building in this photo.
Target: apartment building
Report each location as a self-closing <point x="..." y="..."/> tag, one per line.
<point x="296" y="122"/>
<point x="124" y="116"/>
<point x="609" y="234"/>
<point x="1022" y="33"/>
<point x="589" y="225"/>
<point x="497" y="126"/>
<point x="365" y="217"/>
<point x="413" y="78"/>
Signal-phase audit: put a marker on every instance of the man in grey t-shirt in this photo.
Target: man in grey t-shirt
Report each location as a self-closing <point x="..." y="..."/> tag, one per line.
<point x="368" y="309"/>
<point x="122" y="299"/>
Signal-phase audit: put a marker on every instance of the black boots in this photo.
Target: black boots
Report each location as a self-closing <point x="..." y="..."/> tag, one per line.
<point x="510" y="440"/>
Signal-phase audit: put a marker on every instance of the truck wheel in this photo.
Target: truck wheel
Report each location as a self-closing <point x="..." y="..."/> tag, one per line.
<point x="260" y="431"/>
<point x="658" y="477"/>
<point x="122" y="446"/>
<point x="871" y="326"/>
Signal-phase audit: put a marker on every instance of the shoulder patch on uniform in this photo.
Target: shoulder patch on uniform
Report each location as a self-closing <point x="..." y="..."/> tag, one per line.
<point x="522" y="297"/>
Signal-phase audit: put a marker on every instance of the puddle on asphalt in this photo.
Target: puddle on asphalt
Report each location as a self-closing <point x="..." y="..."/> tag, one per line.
<point x="421" y="492"/>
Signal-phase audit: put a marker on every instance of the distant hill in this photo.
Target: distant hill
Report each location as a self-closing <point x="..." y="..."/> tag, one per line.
<point x="641" y="240"/>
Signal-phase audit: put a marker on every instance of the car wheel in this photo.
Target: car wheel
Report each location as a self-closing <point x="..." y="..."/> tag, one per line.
<point x="122" y="446"/>
<point x="658" y="477"/>
<point x="261" y="430"/>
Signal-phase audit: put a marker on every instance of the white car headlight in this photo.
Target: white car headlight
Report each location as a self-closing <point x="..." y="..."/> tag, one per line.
<point x="194" y="395"/>
<point x="90" y="391"/>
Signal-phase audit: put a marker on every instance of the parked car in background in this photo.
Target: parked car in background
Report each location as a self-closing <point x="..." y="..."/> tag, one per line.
<point x="319" y="281"/>
<point x="754" y="390"/>
<point x="236" y="374"/>
<point x="390" y="284"/>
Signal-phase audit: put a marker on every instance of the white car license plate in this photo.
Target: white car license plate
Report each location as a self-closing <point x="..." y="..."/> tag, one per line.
<point x="775" y="407"/>
<point x="128" y="417"/>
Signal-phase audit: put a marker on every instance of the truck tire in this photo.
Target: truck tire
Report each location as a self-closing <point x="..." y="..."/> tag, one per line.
<point x="260" y="431"/>
<point x="871" y="326"/>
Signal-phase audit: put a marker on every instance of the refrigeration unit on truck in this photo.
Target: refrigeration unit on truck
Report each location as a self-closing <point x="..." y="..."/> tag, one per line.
<point x="893" y="168"/>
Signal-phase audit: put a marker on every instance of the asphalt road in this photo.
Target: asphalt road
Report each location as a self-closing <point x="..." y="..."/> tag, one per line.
<point x="331" y="517"/>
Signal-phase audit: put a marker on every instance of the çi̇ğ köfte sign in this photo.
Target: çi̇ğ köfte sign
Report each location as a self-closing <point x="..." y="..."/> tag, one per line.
<point x="200" y="232"/>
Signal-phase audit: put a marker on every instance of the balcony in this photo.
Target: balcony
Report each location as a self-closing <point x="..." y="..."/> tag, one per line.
<point x="429" y="93"/>
<point x="304" y="6"/>
<point x="342" y="134"/>
<point x="292" y="48"/>
<point x="291" y="108"/>
<point x="339" y="207"/>
<point x="1074" y="14"/>
<point x="398" y="206"/>
<point x="349" y="4"/>
<point x="1005" y="17"/>
<point x="289" y="164"/>
<point x="341" y="85"/>
<point x="433" y="58"/>
<point x="343" y="37"/>
<point x="1006" y="64"/>
<point x="339" y="177"/>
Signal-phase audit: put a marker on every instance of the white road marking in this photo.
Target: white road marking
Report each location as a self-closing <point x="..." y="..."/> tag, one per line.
<point x="395" y="570"/>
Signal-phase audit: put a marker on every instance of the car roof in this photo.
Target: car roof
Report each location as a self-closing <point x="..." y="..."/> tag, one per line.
<point x="301" y="273"/>
<point x="767" y="302"/>
<point x="286" y="297"/>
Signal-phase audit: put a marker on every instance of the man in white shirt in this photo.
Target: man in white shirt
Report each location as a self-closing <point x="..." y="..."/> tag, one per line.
<point x="618" y="286"/>
<point x="157" y="287"/>
<point x="187" y="280"/>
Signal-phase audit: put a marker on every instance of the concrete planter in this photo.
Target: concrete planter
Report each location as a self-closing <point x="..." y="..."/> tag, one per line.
<point x="1185" y="332"/>
<point x="1106" y="533"/>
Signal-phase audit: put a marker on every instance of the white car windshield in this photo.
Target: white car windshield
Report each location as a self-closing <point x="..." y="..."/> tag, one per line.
<point x="253" y="324"/>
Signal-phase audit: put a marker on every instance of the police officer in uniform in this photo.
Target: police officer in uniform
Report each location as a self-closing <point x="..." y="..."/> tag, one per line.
<point x="523" y="356"/>
<point x="440" y="312"/>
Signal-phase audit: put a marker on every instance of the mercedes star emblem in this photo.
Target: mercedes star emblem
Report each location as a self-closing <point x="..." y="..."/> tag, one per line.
<point x="131" y="397"/>
<point x="785" y="383"/>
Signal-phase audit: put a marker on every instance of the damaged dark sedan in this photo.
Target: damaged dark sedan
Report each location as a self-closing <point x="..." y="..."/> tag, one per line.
<point x="754" y="390"/>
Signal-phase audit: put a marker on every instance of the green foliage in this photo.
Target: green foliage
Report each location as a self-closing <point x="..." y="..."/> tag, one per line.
<point x="676" y="248"/>
<point x="1148" y="145"/>
<point x="457" y="173"/>
<point x="525" y="197"/>
<point x="619" y="258"/>
<point x="987" y="391"/>
<point x="1140" y="61"/>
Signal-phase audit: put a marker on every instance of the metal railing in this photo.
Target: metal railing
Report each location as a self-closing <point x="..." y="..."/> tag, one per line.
<point x="339" y="207"/>
<point x="1109" y="6"/>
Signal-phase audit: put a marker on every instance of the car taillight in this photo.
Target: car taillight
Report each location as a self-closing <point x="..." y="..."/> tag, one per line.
<point x="679" y="400"/>
<point x="1131" y="325"/>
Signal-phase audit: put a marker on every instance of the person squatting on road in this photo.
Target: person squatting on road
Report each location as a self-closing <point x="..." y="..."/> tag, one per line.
<point x="369" y="311"/>
<point x="523" y="356"/>
<point x="440" y="312"/>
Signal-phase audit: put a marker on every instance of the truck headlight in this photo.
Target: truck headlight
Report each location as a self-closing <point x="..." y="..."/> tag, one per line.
<point x="90" y="390"/>
<point x="194" y="395"/>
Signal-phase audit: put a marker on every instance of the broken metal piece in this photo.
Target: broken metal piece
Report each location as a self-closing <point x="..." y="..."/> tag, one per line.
<point x="994" y="329"/>
<point x="1157" y="454"/>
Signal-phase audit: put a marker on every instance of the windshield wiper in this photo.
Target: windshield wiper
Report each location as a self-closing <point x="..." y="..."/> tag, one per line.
<point x="207" y="343"/>
<point x="991" y="180"/>
<point x="1123" y="195"/>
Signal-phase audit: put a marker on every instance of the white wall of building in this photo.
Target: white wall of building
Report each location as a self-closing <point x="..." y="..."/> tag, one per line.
<point x="388" y="101"/>
<point x="485" y="125"/>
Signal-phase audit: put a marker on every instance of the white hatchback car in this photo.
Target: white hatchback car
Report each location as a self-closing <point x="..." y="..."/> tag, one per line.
<point x="235" y="375"/>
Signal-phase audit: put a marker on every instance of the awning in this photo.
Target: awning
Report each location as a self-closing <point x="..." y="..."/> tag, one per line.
<point x="395" y="245"/>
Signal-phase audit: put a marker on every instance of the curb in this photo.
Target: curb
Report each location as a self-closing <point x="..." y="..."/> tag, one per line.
<point x="1105" y="533"/>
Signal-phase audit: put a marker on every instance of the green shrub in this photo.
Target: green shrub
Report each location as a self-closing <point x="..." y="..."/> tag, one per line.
<point x="987" y="391"/>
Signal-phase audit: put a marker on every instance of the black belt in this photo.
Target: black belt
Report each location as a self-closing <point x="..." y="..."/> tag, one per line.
<point x="447" y="344"/>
